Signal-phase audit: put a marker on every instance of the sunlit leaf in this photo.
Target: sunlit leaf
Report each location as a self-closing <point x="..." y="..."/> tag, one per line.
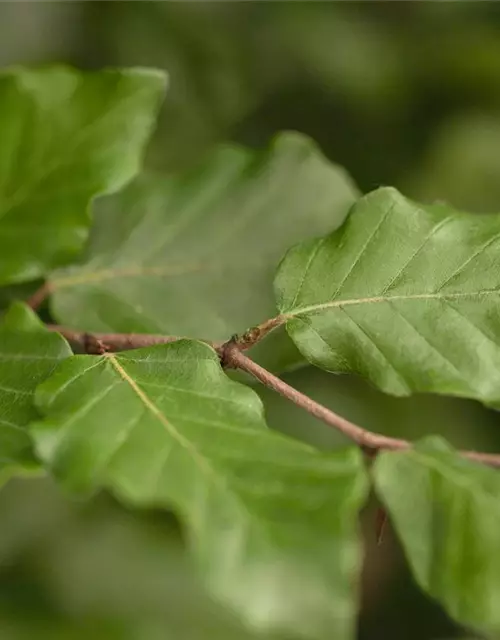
<point x="28" y="355"/>
<point x="194" y="255"/>
<point x="65" y="137"/>
<point x="446" y="512"/>
<point x="272" y="522"/>
<point x="404" y="294"/>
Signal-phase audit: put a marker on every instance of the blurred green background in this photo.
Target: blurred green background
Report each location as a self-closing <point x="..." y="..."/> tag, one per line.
<point x="400" y="93"/>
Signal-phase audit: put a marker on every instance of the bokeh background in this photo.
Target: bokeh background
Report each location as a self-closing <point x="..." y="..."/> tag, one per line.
<point x="400" y="93"/>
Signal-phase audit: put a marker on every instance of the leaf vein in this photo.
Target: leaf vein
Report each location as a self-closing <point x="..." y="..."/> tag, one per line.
<point x="475" y="255"/>
<point x="369" y="240"/>
<point x="155" y="411"/>
<point x="334" y="304"/>
<point x="424" y="242"/>
<point x="307" y="268"/>
<point x="402" y="379"/>
<point x="431" y="346"/>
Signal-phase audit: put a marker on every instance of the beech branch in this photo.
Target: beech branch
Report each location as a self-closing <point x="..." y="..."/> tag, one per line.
<point x="231" y="356"/>
<point x="257" y="333"/>
<point x="367" y="440"/>
<point x="234" y="358"/>
<point x="93" y="343"/>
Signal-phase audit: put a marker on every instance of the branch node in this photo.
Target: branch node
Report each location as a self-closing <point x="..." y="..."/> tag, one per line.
<point x="369" y="451"/>
<point x="93" y="345"/>
<point x="257" y="333"/>
<point x="226" y="352"/>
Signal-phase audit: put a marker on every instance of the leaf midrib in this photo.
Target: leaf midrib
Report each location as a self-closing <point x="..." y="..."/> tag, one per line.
<point x="203" y="463"/>
<point x="151" y="406"/>
<point x="126" y="272"/>
<point x="334" y="304"/>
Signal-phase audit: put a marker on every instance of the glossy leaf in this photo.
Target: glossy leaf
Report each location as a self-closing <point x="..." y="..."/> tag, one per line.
<point x="446" y="512"/>
<point x="28" y="355"/>
<point x="66" y="137"/>
<point x="404" y="294"/>
<point x="194" y="255"/>
<point x="271" y="521"/>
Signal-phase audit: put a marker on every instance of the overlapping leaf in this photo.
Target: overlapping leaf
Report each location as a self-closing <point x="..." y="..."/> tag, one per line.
<point x="194" y="255"/>
<point x="65" y="137"/>
<point x="447" y="514"/>
<point x="406" y="295"/>
<point x="28" y="355"/>
<point x="272" y="522"/>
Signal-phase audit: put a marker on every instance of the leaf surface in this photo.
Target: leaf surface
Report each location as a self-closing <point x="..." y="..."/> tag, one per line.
<point x="404" y="294"/>
<point x="271" y="521"/>
<point x="28" y="355"/>
<point x="194" y="255"/>
<point x="446" y="512"/>
<point x="67" y="136"/>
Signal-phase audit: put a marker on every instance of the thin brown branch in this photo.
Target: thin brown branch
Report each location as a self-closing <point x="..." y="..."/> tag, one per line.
<point x="257" y="333"/>
<point x="92" y="342"/>
<point x="39" y="297"/>
<point x="490" y="459"/>
<point x="232" y="357"/>
<point x="366" y="439"/>
<point x="125" y="341"/>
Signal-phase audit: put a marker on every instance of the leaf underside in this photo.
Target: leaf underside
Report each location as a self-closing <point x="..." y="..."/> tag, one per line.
<point x="194" y="255"/>
<point x="447" y="515"/>
<point x="28" y="355"/>
<point x="66" y="136"/>
<point x="403" y="294"/>
<point x="272" y="522"/>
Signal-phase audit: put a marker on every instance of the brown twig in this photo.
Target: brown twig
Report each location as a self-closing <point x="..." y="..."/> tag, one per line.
<point x="365" y="439"/>
<point x="124" y="341"/>
<point x="257" y="333"/>
<point x="38" y="298"/>
<point x="116" y="341"/>
<point x="232" y="357"/>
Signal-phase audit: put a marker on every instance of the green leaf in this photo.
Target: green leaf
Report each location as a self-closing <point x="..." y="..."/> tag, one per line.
<point x="271" y="521"/>
<point x="446" y="512"/>
<point x="16" y="292"/>
<point x="67" y="137"/>
<point x="404" y="294"/>
<point x="194" y="255"/>
<point x="28" y="355"/>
